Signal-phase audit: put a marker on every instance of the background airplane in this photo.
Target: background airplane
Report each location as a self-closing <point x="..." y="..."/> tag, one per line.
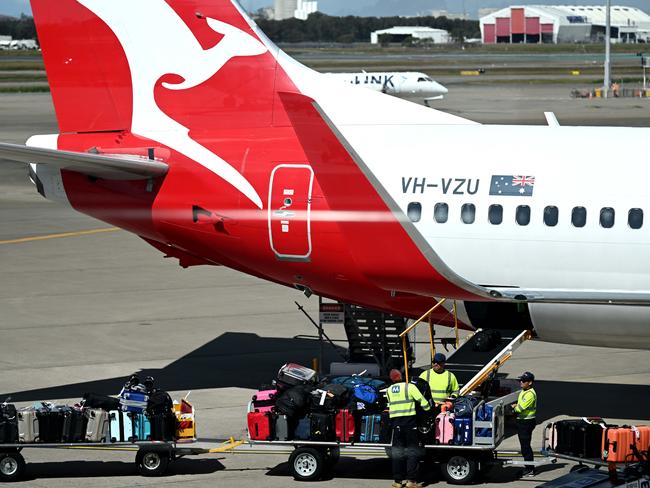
<point x="217" y="148"/>
<point x="412" y="86"/>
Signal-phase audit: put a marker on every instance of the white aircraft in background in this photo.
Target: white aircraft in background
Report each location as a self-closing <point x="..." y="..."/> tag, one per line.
<point x="411" y="85"/>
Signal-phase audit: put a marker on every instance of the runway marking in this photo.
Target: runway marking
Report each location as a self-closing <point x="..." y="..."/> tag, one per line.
<point x="59" y="236"/>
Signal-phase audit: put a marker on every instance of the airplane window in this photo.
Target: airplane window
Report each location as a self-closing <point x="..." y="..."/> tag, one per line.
<point x="635" y="218"/>
<point x="523" y="215"/>
<point x="414" y="211"/>
<point x="441" y="212"/>
<point x="551" y="216"/>
<point x="468" y="213"/>
<point x="495" y="214"/>
<point x="579" y="216"/>
<point x="607" y="217"/>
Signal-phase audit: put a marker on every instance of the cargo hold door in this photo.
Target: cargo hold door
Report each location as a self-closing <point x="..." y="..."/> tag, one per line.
<point x="289" y="211"/>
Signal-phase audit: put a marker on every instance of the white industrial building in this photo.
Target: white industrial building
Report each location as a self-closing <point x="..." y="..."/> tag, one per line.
<point x="299" y="9"/>
<point x="437" y="36"/>
<point x="563" y="23"/>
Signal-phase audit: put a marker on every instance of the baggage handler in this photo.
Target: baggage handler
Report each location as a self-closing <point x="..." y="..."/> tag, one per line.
<point x="406" y="452"/>
<point x="526" y="409"/>
<point x="443" y="383"/>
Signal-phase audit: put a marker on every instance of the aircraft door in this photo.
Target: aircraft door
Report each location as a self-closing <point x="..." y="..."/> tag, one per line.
<point x="289" y="211"/>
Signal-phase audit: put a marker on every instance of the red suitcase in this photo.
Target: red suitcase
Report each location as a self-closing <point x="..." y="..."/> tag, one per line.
<point x="345" y="426"/>
<point x="259" y="426"/>
<point x="617" y="445"/>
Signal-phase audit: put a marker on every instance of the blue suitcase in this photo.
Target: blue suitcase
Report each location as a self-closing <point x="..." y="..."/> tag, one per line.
<point x="303" y="429"/>
<point x="121" y="426"/>
<point x="463" y="431"/>
<point x="370" y="428"/>
<point x="133" y="401"/>
<point x="141" y="427"/>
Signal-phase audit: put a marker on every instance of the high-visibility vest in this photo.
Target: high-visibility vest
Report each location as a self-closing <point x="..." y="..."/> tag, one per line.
<point x="402" y="398"/>
<point x="443" y="385"/>
<point x="526" y="407"/>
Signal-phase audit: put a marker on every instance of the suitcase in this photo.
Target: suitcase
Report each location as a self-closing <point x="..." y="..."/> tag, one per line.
<point x="121" y="426"/>
<point x="97" y="428"/>
<point x="260" y="426"/>
<point x="8" y="424"/>
<point x="322" y="427"/>
<point x="345" y="426"/>
<point x="484" y="414"/>
<point x="104" y="402"/>
<point x="303" y="429"/>
<point x="282" y="428"/>
<point x="28" y="426"/>
<point x="642" y="438"/>
<point x="163" y="426"/>
<point x="50" y="424"/>
<point x="133" y="401"/>
<point x="564" y="434"/>
<point x="75" y="424"/>
<point x="330" y="398"/>
<point x="370" y="428"/>
<point x="579" y="438"/>
<point x="264" y="400"/>
<point x="444" y="428"/>
<point x="462" y="431"/>
<point x="141" y="427"/>
<point x="617" y="445"/>
<point x="292" y="374"/>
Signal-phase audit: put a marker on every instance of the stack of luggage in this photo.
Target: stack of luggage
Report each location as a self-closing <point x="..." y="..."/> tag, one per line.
<point x="140" y="413"/>
<point x="299" y="407"/>
<point x="593" y="438"/>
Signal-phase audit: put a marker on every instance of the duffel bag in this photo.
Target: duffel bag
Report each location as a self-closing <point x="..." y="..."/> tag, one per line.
<point x="294" y="402"/>
<point x="104" y="402"/>
<point x="159" y="403"/>
<point x="464" y="406"/>
<point x="330" y="397"/>
<point x="486" y="340"/>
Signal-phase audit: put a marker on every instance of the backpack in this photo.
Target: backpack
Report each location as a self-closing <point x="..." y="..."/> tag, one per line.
<point x="159" y="403"/>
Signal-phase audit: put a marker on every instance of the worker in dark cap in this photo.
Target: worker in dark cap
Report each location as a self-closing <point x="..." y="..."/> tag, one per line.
<point x="443" y="383"/>
<point x="406" y="452"/>
<point x="526" y="409"/>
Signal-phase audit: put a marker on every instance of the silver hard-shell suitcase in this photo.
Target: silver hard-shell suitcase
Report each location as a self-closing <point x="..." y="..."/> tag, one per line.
<point x="282" y="428"/>
<point x="27" y="426"/>
<point x="98" y="425"/>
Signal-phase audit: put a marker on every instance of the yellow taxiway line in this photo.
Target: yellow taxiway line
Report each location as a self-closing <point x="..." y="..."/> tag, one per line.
<point x="59" y="236"/>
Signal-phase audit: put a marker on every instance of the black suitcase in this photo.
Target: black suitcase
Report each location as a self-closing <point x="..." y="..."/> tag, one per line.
<point x="586" y="440"/>
<point x="322" y="427"/>
<point x="75" y="424"/>
<point x="104" y="402"/>
<point x="294" y="374"/>
<point x="50" y="425"/>
<point x="163" y="426"/>
<point x="8" y="424"/>
<point x="334" y="398"/>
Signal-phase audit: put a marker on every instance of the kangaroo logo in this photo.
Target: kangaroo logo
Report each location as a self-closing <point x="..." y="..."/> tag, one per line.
<point x="157" y="42"/>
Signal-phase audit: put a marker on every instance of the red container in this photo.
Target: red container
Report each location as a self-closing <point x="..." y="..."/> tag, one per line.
<point x="642" y="441"/>
<point x="259" y="426"/>
<point x="346" y="426"/>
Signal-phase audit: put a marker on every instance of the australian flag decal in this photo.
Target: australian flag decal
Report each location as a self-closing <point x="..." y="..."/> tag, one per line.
<point x="512" y="185"/>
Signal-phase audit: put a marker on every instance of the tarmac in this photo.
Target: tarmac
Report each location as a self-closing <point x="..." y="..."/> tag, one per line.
<point x="84" y="306"/>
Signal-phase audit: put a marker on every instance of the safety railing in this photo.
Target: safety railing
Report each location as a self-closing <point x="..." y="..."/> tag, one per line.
<point x="429" y="317"/>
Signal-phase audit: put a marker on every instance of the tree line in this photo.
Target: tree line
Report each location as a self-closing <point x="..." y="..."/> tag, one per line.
<point x="18" y="28"/>
<point x="317" y="28"/>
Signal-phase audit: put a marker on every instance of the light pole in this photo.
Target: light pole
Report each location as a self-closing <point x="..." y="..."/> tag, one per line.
<point x="607" y="49"/>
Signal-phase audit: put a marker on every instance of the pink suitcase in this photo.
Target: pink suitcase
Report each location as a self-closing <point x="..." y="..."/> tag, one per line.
<point x="445" y="428"/>
<point x="264" y="401"/>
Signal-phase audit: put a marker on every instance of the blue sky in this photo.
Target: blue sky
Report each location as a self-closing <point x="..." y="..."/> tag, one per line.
<point x="15" y="7"/>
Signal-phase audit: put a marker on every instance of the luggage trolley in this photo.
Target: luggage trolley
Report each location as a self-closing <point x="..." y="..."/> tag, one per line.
<point x="152" y="457"/>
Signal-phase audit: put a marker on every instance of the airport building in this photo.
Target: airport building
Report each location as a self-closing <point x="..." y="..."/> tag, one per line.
<point x="299" y="9"/>
<point x="563" y="24"/>
<point x="398" y="34"/>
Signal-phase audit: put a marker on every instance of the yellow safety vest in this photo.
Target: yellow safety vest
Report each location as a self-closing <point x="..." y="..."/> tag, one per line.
<point x="526" y="404"/>
<point x="402" y="398"/>
<point x="443" y="385"/>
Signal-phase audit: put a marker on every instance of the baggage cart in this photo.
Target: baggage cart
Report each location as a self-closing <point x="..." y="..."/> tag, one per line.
<point x="152" y="458"/>
<point x="460" y="464"/>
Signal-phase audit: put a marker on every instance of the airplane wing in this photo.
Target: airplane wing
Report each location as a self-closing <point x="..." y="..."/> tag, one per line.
<point x="113" y="167"/>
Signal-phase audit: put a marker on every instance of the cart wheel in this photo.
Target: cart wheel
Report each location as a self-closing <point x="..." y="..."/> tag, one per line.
<point x="306" y="464"/>
<point x="459" y="470"/>
<point x="12" y="466"/>
<point x="152" y="463"/>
